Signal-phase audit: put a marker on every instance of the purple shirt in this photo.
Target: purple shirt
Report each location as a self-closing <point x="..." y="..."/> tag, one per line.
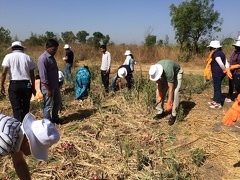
<point x="48" y="70"/>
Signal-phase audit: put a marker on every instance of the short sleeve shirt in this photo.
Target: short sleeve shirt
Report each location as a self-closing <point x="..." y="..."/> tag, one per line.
<point x="215" y="68"/>
<point x="170" y="69"/>
<point x="19" y="65"/>
<point x="11" y="135"/>
<point x="70" y="56"/>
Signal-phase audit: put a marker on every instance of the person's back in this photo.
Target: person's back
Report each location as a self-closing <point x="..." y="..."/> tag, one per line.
<point x="82" y="84"/>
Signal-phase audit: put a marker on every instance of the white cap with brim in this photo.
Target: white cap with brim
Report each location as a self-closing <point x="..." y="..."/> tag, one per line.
<point x="17" y="43"/>
<point x="66" y="46"/>
<point x="41" y="135"/>
<point x="237" y="44"/>
<point x="122" y="72"/>
<point x="155" y="72"/>
<point x="238" y="39"/>
<point x="214" y="44"/>
<point x="128" y="52"/>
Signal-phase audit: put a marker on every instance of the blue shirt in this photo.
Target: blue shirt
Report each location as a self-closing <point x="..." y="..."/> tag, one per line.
<point x="48" y="70"/>
<point x="215" y="68"/>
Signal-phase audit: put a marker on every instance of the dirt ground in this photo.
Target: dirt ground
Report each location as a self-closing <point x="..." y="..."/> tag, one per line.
<point x="94" y="142"/>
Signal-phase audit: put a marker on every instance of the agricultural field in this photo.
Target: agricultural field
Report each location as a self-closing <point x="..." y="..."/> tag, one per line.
<point x="115" y="137"/>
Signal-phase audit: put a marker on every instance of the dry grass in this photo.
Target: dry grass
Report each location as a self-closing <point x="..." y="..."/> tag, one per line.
<point x="115" y="137"/>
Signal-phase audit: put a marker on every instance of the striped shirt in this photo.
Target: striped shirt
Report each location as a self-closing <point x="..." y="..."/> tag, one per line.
<point x="11" y="135"/>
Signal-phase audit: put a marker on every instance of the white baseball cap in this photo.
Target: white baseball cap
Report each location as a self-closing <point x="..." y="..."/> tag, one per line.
<point x="237" y="43"/>
<point x="127" y="52"/>
<point x="41" y="135"/>
<point x="155" y="72"/>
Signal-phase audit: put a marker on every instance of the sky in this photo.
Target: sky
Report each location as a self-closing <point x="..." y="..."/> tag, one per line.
<point x="125" y="21"/>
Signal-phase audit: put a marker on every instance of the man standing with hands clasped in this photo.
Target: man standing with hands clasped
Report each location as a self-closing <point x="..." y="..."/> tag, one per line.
<point x="168" y="76"/>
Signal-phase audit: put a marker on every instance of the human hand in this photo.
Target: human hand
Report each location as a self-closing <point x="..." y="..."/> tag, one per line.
<point x="169" y="106"/>
<point x="159" y="99"/>
<point x="64" y="58"/>
<point x="2" y="90"/>
<point x="227" y="71"/>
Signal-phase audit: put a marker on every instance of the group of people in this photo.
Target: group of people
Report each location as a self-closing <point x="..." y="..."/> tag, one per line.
<point x="23" y="134"/>
<point x="218" y="67"/>
<point x="124" y="71"/>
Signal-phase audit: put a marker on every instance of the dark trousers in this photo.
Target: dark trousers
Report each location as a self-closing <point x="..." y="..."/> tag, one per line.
<point x="236" y="82"/>
<point x="105" y="80"/>
<point x="217" y="90"/>
<point x="20" y="94"/>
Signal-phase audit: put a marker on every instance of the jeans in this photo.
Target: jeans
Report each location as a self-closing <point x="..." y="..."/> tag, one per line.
<point x="68" y="71"/>
<point x="236" y="82"/>
<point x="19" y="95"/>
<point x="114" y="81"/>
<point x="56" y="100"/>
<point x="217" y="90"/>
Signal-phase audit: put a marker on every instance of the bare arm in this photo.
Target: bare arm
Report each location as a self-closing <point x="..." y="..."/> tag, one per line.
<point x="3" y="78"/>
<point x="21" y="166"/>
<point x="170" y="91"/>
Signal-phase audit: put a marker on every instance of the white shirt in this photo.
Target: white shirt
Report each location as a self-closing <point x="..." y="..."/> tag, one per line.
<point x="106" y="61"/>
<point x="60" y="76"/>
<point x="19" y="65"/>
<point x="130" y="61"/>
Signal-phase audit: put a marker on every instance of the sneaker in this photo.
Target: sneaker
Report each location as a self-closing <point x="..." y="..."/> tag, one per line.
<point x="159" y="116"/>
<point x="172" y="120"/>
<point x="228" y="100"/>
<point x="211" y="102"/>
<point x="216" y="106"/>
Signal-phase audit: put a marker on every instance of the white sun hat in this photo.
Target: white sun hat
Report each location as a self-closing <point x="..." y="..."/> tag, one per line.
<point x="66" y="46"/>
<point x="214" y="44"/>
<point x="155" y="72"/>
<point x="122" y="72"/>
<point x="17" y="43"/>
<point x="41" y="134"/>
<point x="238" y="39"/>
<point x="237" y="43"/>
<point x="127" y="52"/>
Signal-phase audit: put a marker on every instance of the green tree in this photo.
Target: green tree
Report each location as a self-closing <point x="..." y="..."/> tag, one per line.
<point x="81" y="36"/>
<point x="106" y="39"/>
<point x="194" y="20"/>
<point x="68" y="37"/>
<point x="5" y="35"/>
<point x="150" y="40"/>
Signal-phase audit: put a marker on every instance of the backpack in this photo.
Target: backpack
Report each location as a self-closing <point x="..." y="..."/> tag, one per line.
<point x="82" y="83"/>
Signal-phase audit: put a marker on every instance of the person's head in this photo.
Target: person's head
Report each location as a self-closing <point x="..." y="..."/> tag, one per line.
<point x="66" y="46"/>
<point x="52" y="46"/>
<point x="237" y="45"/>
<point x="39" y="135"/>
<point x="155" y="72"/>
<point x="214" y="45"/>
<point x="103" y="48"/>
<point x="17" y="45"/>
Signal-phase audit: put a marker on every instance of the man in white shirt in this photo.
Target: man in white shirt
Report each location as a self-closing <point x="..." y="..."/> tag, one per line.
<point x="105" y="67"/>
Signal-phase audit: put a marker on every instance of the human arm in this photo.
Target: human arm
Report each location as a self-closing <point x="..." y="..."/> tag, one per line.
<point x="3" y="78"/>
<point x="109" y="63"/>
<point x="159" y="88"/>
<point x="220" y="63"/>
<point x="170" y="96"/>
<point x="32" y="77"/>
<point x="20" y="166"/>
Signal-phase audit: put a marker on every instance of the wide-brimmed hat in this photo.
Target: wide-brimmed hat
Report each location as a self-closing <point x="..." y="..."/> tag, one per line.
<point x="155" y="72"/>
<point x="17" y="43"/>
<point x="214" y="44"/>
<point x="41" y="134"/>
<point x="127" y="52"/>
<point x="237" y="43"/>
<point x="122" y="72"/>
<point x="238" y="39"/>
<point x="66" y="46"/>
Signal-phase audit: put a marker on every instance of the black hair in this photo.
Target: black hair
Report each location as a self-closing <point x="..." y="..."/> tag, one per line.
<point x="52" y="43"/>
<point x="103" y="46"/>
